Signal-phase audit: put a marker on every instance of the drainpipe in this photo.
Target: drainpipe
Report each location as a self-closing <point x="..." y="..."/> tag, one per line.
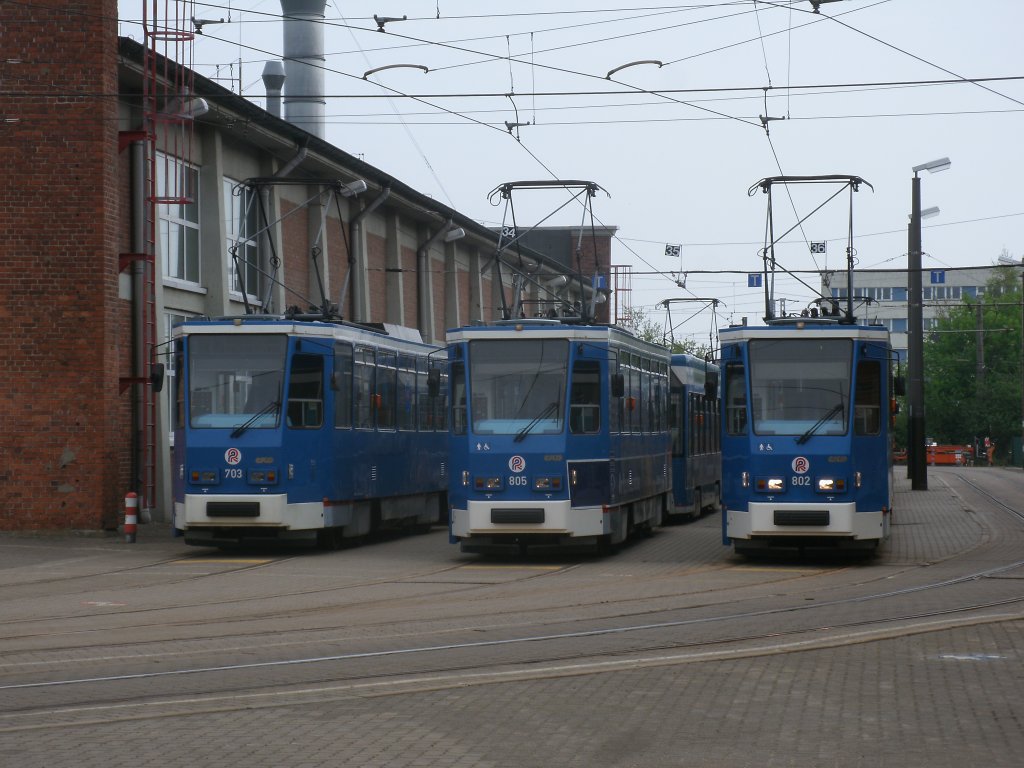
<point x="423" y="303"/>
<point x="356" y="248"/>
<point x="138" y="286"/>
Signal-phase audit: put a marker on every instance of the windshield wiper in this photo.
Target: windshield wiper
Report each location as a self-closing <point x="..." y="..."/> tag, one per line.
<point x="549" y="409"/>
<point x="270" y="407"/>
<point x="834" y="411"/>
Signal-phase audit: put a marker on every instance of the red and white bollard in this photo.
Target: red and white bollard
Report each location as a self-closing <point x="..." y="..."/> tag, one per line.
<point x="131" y="516"/>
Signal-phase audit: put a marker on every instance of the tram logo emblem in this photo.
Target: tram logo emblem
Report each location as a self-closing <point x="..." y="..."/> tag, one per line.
<point x="232" y="456"/>
<point x="517" y="464"/>
<point x="801" y="465"/>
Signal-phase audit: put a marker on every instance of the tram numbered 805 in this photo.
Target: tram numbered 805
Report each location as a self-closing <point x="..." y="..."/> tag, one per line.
<point x="806" y="434"/>
<point x="289" y="429"/>
<point x="559" y="435"/>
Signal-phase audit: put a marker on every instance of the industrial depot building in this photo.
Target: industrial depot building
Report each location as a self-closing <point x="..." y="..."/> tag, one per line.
<point x="139" y="193"/>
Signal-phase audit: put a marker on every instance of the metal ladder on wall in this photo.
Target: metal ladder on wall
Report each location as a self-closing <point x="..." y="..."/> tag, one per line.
<point x="166" y="122"/>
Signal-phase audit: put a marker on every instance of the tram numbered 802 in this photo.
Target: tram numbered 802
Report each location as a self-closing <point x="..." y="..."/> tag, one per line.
<point x="559" y="435"/>
<point x="290" y="429"/>
<point x="806" y="434"/>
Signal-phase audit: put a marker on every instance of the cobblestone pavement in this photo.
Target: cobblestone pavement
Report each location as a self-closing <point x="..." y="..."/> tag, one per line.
<point x="942" y="689"/>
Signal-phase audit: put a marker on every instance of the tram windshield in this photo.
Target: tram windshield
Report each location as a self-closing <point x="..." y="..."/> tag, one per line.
<point x="800" y="386"/>
<point x="235" y="380"/>
<point x="518" y="387"/>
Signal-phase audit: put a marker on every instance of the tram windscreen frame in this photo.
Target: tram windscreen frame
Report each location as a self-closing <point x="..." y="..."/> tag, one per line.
<point x="800" y="386"/>
<point x="518" y="386"/>
<point x="235" y="379"/>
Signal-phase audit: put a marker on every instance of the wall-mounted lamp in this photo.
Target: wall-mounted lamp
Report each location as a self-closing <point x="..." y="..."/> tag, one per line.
<point x="353" y="188"/>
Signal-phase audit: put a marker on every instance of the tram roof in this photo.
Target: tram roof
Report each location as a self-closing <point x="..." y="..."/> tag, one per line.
<point x="398" y="337"/>
<point x="554" y="329"/>
<point x="804" y="328"/>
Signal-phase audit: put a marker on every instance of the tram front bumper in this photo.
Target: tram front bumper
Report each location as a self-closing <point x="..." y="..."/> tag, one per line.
<point x="522" y="518"/>
<point x="828" y="520"/>
<point x="247" y="511"/>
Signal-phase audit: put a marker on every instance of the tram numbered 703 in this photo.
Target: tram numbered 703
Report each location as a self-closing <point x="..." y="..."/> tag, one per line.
<point x="559" y="435"/>
<point x="806" y="434"/>
<point x="292" y="429"/>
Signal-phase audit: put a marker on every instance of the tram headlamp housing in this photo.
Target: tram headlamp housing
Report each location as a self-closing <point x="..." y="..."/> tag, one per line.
<point x="547" y="483"/>
<point x="204" y="476"/>
<point x="831" y="484"/>
<point x="487" y="483"/>
<point x="263" y="476"/>
<point x="770" y="484"/>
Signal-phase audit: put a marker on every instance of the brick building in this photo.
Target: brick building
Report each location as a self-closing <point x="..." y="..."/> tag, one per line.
<point x="111" y="234"/>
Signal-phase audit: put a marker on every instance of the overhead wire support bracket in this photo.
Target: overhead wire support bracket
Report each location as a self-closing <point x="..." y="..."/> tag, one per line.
<point x="369" y="72"/>
<point x="382" y="20"/>
<point x="633" y="64"/>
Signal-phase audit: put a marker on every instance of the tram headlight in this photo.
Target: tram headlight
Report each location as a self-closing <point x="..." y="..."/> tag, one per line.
<point x="547" y="483"/>
<point x="263" y="476"/>
<point x="770" y="484"/>
<point x="487" y="483"/>
<point x="831" y="484"/>
<point x="465" y="478"/>
<point x="203" y="476"/>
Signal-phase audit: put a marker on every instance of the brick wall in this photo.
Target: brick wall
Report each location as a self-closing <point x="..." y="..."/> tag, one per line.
<point x="297" y="268"/>
<point x="63" y="442"/>
<point x="337" y="248"/>
<point x="410" y="286"/>
<point x="376" y="258"/>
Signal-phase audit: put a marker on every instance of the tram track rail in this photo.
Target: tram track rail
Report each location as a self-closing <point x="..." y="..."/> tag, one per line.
<point x="436" y="666"/>
<point x="596" y="632"/>
<point x="439" y="677"/>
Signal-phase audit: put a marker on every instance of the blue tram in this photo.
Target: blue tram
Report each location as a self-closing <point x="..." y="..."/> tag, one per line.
<point x="297" y="429"/>
<point x="559" y="435"/>
<point x="694" y="424"/>
<point x="806" y="441"/>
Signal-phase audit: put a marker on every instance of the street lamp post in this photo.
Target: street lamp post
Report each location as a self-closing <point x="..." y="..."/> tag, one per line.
<point x="916" y="454"/>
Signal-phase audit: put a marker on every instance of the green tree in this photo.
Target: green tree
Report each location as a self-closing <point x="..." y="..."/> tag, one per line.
<point x="968" y="393"/>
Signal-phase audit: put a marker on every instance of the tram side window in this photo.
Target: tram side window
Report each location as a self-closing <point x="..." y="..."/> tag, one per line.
<point x="867" y="413"/>
<point x="406" y="392"/>
<point x="306" y="392"/>
<point x="663" y="387"/>
<point x="441" y="401"/>
<point x="650" y="420"/>
<point x="179" y="383"/>
<point x="614" y="403"/>
<point x="458" y="385"/>
<point x="676" y="427"/>
<point x="735" y="399"/>
<point x="635" y="407"/>
<point x="362" y="387"/>
<point x="387" y="388"/>
<point x="585" y="398"/>
<point x="341" y="383"/>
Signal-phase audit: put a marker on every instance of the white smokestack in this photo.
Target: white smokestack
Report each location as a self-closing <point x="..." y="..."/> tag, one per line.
<point x="304" y="102"/>
<point x="273" y="81"/>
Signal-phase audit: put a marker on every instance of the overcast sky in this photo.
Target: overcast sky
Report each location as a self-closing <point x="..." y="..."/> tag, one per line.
<point x="868" y="88"/>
